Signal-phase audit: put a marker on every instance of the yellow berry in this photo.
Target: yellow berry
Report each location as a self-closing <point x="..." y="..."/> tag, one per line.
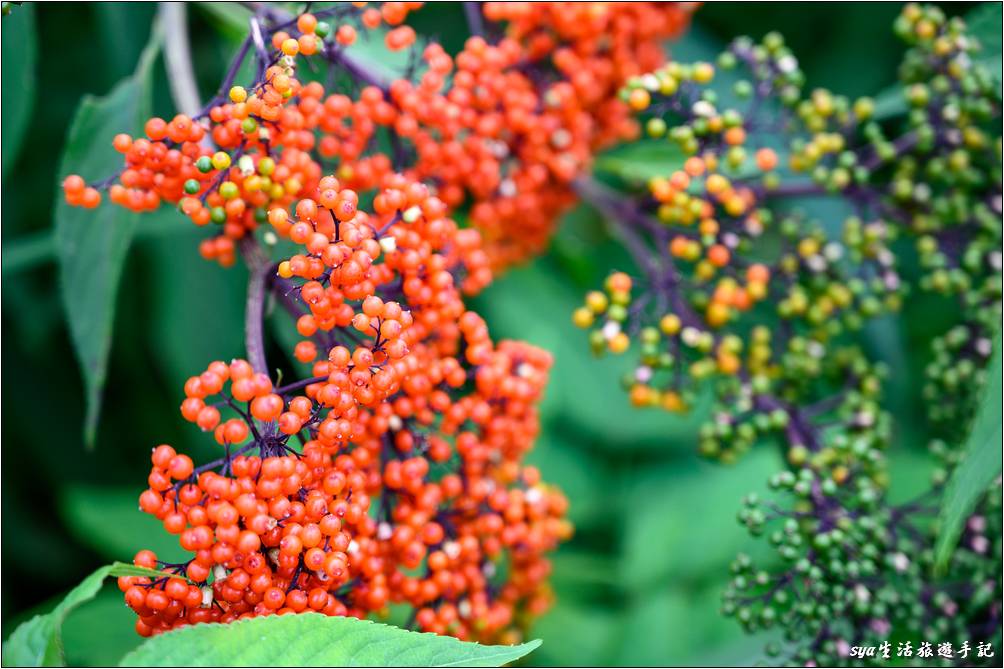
<point x="582" y="317"/>
<point x="619" y="343"/>
<point x="703" y="72"/>
<point x="221" y="160"/>
<point x="597" y="302"/>
<point x="670" y="324"/>
<point x="717" y="314"/>
<point x="639" y="99"/>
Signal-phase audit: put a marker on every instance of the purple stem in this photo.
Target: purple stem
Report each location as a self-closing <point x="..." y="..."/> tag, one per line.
<point x="254" y="336"/>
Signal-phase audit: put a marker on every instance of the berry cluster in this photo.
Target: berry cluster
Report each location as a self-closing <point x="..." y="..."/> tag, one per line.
<point x="393" y="474"/>
<point x="500" y="129"/>
<point x="408" y="485"/>
<point x="747" y="297"/>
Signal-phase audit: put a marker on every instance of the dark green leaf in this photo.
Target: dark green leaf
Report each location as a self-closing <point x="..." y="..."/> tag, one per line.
<point x="126" y="25"/>
<point x="19" y="55"/>
<point x="984" y="23"/>
<point x="38" y="642"/>
<point x="100" y="632"/>
<point x="108" y="519"/>
<point x="92" y="244"/>
<point x="184" y="283"/>
<point x="230" y="18"/>
<point x="315" y="640"/>
<point x="577" y="635"/>
<point x="638" y="162"/>
<point x="980" y="465"/>
<point x="682" y="522"/>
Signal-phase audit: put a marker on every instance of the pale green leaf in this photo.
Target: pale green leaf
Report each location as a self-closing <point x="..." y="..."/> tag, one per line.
<point x="315" y="640"/>
<point x="19" y="57"/>
<point x="638" y="162"/>
<point x="980" y="465"/>
<point x="92" y="244"/>
<point x="39" y="642"/>
<point x="108" y="520"/>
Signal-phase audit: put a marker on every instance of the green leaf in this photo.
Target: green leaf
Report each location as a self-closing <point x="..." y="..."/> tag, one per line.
<point x="577" y="635"/>
<point x="92" y="244"/>
<point x="980" y="465"/>
<point x="984" y="23"/>
<point x="183" y="282"/>
<point x="682" y="521"/>
<point x="100" y="632"/>
<point x="315" y="640"/>
<point x="19" y="56"/>
<point x="39" y="642"/>
<point x="581" y="475"/>
<point x="128" y="27"/>
<point x="230" y="18"/>
<point x="638" y="162"/>
<point x="108" y="520"/>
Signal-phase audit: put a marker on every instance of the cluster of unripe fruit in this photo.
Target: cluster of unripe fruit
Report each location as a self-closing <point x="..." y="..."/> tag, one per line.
<point x="740" y="294"/>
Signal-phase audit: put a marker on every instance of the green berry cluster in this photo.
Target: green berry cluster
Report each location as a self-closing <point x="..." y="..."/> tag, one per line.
<point x="750" y="292"/>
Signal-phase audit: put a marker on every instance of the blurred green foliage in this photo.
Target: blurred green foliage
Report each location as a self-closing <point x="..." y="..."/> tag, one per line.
<point x="639" y="583"/>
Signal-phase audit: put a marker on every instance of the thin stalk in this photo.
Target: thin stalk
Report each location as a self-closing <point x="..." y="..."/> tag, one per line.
<point x="254" y="312"/>
<point x="177" y="57"/>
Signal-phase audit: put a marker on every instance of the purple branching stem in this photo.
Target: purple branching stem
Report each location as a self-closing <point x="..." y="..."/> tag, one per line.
<point x="475" y="19"/>
<point x="287" y="389"/>
<point x="333" y="53"/>
<point x="254" y="336"/>
<point x="625" y="215"/>
<point x="901" y="145"/>
<point x="228" y="79"/>
<point x="259" y="46"/>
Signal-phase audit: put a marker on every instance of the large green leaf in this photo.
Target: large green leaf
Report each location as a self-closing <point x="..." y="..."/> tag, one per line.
<point x="100" y="632"/>
<point x="127" y="25"/>
<point x="577" y="635"/>
<point x="984" y="24"/>
<point x="108" y="520"/>
<point x="19" y="56"/>
<point x="315" y="640"/>
<point x="39" y="642"/>
<point x="980" y="465"/>
<point x="581" y="475"/>
<point x="682" y="522"/>
<point x="92" y="244"/>
<point x="182" y="282"/>
<point x="638" y="162"/>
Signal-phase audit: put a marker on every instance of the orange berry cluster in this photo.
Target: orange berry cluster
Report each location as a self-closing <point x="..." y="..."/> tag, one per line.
<point x="394" y="474"/>
<point x="408" y="486"/>
<point x="501" y="128"/>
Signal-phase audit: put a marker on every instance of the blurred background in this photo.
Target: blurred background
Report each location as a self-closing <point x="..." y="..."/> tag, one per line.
<point x="656" y="529"/>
